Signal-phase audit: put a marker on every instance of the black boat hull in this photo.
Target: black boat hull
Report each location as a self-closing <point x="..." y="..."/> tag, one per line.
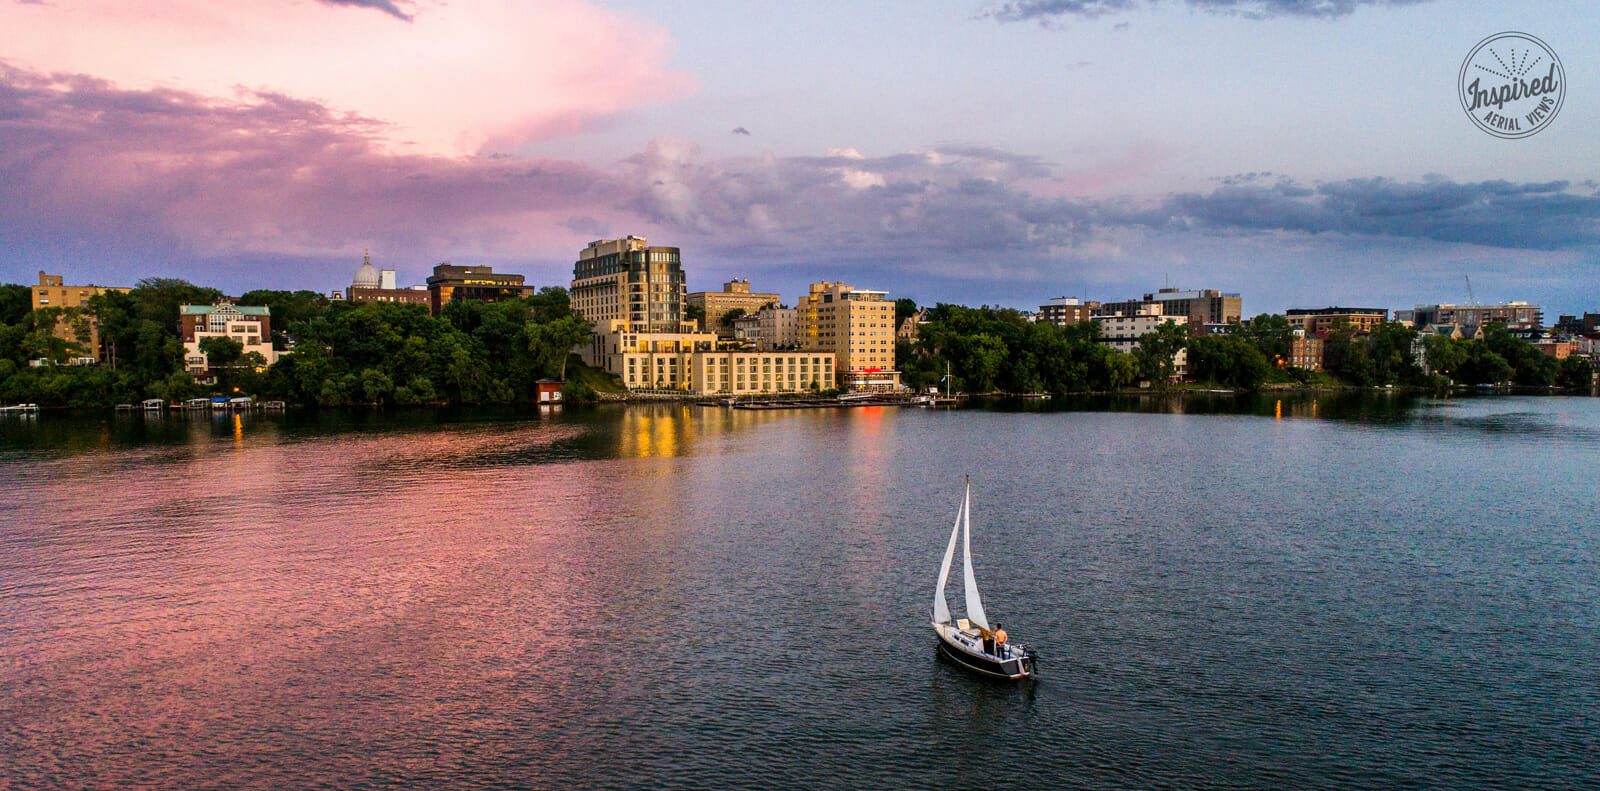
<point x="1013" y="669"/>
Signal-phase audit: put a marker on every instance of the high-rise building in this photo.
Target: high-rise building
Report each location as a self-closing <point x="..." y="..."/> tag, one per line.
<point x="735" y="295"/>
<point x="626" y="280"/>
<point x="1206" y="306"/>
<point x="451" y="283"/>
<point x="857" y="326"/>
<point x="82" y="328"/>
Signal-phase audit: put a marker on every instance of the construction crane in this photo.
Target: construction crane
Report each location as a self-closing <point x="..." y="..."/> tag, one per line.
<point x="1470" y="299"/>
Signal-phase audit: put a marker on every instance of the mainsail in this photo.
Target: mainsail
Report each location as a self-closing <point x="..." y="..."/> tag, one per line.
<point x="974" y="604"/>
<point x="963" y="527"/>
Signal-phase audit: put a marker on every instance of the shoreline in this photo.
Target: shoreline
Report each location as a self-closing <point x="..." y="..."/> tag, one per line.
<point x="792" y="401"/>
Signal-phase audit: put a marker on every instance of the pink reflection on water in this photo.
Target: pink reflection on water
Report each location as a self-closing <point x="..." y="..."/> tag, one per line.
<point x="175" y="614"/>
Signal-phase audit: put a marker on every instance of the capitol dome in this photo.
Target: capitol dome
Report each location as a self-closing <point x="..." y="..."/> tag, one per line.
<point x="367" y="275"/>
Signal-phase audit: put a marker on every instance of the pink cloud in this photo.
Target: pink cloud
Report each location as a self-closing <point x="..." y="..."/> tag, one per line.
<point x="452" y="79"/>
<point x="258" y="174"/>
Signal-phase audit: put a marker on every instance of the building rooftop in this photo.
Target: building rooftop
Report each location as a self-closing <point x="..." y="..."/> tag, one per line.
<point x="1332" y="309"/>
<point x="202" y="310"/>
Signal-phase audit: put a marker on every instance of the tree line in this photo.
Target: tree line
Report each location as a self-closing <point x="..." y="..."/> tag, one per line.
<point x="331" y="352"/>
<point x="991" y="349"/>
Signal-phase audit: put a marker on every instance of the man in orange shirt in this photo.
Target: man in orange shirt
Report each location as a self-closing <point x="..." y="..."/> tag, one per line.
<point x="999" y="640"/>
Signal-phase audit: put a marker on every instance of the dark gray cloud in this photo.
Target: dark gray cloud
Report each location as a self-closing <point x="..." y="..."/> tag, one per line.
<point x="1535" y="216"/>
<point x="1050" y="10"/>
<point x="987" y="201"/>
<point x="389" y="7"/>
<point x="954" y="200"/>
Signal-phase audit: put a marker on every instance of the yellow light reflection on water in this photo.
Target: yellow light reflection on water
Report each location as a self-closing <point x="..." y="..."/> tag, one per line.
<point x="655" y="431"/>
<point x="238" y="430"/>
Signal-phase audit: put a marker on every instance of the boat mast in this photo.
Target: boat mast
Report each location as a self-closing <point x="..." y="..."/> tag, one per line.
<point x="974" y="604"/>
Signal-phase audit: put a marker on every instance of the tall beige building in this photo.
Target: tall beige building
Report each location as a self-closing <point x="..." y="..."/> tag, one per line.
<point x="857" y="326"/>
<point x="73" y="325"/>
<point x="734" y="294"/>
<point x="627" y="280"/>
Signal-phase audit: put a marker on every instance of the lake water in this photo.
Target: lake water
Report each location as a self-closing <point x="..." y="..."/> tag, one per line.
<point x="1351" y="592"/>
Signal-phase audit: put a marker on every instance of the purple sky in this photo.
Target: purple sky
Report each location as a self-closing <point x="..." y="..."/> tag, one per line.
<point x="1302" y="152"/>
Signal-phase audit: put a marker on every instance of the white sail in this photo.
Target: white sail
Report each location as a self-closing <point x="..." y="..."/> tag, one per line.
<point x="941" y="610"/>
<point x="974" y="604"/>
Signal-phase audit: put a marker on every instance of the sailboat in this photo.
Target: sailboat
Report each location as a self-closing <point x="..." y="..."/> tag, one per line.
<point x="963" y="641"/>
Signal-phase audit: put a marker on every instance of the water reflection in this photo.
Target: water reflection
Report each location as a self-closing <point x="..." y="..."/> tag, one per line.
<point x="670" y="430"/>
<point x="670" y="596"/>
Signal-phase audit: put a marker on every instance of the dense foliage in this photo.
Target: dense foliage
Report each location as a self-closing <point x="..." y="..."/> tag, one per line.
<point x="1503" y="358"/>
<point x="343" y="352"/>
<point x="999" y="350"/>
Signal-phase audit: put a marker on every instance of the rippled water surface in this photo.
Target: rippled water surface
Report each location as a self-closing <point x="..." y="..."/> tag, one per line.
<point x="1344" y="593"/>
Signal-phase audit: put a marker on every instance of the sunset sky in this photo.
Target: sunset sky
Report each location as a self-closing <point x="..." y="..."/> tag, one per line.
<point x="1302" y="152"/>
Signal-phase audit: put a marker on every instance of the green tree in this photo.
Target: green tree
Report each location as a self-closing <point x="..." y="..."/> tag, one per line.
<point x="551" y="343"/>
<point x="289" y="311"/>
<point x="376" y="386"/>
<point x="221" y="351"/>
<point x="1156" y="351"/>
<point x="904" y="308"/>
<point x="1227" y="360"/>
<point x="552" y="303"/>
<point x="1575" y="373"/>
<point x="223" y="357"/>
<point x="1529" y="366"/>
<point x="1345" y="355"/>
<point x="1390" y="349"/>
<point x="1482" y="366"/>
<point x="1121" y="369"/>
<point x="15" y="303"/>
<point x="1270" y="334"/>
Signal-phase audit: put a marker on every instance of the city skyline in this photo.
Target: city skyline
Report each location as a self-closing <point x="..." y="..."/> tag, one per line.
<point x="1303" y="154"/>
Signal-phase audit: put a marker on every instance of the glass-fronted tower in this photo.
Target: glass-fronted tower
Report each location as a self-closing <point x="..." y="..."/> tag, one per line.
<point x="627" y="280"/>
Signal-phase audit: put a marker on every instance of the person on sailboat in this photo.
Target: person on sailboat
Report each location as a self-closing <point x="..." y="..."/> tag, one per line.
<point x="999" y="640"/>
